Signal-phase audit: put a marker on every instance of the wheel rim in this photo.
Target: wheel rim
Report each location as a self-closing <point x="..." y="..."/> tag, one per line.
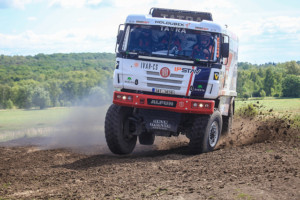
<point x="213" y="134"/>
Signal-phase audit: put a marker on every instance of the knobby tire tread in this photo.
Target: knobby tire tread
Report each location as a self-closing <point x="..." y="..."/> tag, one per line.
<point x="112" y="129"/>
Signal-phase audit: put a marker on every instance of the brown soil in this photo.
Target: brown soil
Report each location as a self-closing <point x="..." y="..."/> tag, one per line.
<point x="259" y="160"/>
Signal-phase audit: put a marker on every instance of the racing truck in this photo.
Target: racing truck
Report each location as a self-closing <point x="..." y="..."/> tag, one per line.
<point x="175" y="73"/>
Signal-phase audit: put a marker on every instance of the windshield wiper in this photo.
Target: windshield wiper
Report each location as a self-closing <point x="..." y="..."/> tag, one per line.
<point x="183" y="57"/>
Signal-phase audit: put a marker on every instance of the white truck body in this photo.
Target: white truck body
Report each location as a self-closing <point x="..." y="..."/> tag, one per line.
<point x="176" y="73"/>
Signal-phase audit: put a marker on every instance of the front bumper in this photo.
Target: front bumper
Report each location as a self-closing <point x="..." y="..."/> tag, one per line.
<point x="180" y="105"/>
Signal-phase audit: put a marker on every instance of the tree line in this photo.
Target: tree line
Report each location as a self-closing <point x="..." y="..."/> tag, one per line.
<point x="67" y="79"/>
<point x="54" y="80"/>
<point x="270" y="79"/>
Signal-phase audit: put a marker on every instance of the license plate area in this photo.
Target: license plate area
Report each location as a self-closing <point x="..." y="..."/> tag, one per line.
<point x="160" y="120"/>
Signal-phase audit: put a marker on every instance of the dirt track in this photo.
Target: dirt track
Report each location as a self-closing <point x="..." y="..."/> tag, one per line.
<point x="260" y="160"/>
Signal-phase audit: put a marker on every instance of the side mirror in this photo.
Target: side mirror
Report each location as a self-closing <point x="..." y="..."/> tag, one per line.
<point x="119" y="36"/>
<point x="225" y="50"/>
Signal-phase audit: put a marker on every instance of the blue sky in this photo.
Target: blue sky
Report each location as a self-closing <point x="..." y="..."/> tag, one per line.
<point x="269" y="30"/>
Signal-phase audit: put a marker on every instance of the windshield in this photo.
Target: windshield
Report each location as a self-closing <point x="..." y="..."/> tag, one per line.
<point x="171" y="42"/>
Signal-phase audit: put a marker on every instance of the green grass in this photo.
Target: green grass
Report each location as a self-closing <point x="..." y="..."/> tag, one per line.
<point x="278" y="105"/>
<point x="19" y="123"/>
<point x="282" y="108"/>
<point x="12" y="120"/>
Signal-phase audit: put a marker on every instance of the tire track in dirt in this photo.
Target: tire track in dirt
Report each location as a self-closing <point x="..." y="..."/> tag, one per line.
<point x="259" y="160"/>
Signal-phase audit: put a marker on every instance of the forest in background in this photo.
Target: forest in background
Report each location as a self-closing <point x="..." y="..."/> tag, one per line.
<point x="55" y="80"/>
<point x="67" y="79"/>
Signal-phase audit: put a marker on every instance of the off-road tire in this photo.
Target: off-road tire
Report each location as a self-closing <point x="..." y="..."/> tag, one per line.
<point x="201" y="139"/>
<point x="117" y="136"/>
<point x="227" y="121"/>
<point x="146" y="138"/>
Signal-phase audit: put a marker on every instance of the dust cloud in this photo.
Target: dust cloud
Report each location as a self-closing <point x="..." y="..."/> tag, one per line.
<point x="82" y="128"/>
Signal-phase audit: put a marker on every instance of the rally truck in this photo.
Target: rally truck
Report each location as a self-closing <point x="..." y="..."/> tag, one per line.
<point x="175" y="73"/>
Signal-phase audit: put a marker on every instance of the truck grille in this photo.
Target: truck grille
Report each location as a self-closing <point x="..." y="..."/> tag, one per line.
<point x="155" y="81"/>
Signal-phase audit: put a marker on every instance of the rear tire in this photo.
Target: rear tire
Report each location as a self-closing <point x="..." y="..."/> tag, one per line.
<point x="205" y="133"/>
<point x="146" y="138"/>
<point x="117" y="130"/>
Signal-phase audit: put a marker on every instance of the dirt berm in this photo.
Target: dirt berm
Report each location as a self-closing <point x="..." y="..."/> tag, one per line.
<point x="259" y="160"/>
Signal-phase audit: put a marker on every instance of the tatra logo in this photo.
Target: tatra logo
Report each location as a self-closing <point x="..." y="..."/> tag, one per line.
<point x="187" y="70"/>
<point x="165" y="72"/>
<point x="150" y="66"/>
<point x="177" y="30"/>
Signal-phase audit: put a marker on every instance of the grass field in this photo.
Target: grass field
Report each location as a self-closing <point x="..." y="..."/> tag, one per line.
<point x="17" y="119"/>
<point x="277" y="105"/>
<point x="19" y="123"/>
<point x="282" y="108"/>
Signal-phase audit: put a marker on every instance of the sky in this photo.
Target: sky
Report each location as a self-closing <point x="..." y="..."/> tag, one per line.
<point x="268" y="30"/>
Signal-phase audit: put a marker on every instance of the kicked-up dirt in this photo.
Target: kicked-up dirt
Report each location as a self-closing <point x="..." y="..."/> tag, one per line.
<point x="259" y="160"/>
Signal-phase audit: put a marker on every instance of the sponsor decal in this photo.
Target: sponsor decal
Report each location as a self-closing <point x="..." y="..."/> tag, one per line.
<point x="129" y="80"/>
<point x="117" y="65"/>
<point x="165" y="72"/>
<point x="136" y="82"/>
<point x="169" y="23"/>
<point x="199" y="86"/>
<point x="160" y="124"/>
<point x="216" y="75"/>
<point x="149" y="66"/>
<point x="181" y="104"/>
<point x="163" y="91"/>
<point x="201" y="28"/>
<point x="187" y="25"/>
<point x="187" y="70"/>
<point x="157" y="102"/>
<point x="142" y="22"/>
<point x="192" y="88"/>
<point x="136" y="64"/>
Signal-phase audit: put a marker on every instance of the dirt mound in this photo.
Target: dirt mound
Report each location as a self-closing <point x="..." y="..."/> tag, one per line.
<point x="259" y="160"/>
<point x="247" y="131"/>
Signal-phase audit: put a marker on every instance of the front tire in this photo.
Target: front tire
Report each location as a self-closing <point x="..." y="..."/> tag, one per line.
<point x="205" y="133"/>
<point x="117" y="130"/>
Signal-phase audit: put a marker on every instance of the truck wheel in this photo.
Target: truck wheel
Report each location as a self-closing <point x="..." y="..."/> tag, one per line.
<point x="227" y="121"/>
<point x="146" y="138"/>
<point x="117" y="130"/>
<point x="206" y="131"/>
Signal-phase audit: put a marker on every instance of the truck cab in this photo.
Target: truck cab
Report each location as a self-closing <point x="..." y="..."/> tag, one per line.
<point x="175" y="70"/>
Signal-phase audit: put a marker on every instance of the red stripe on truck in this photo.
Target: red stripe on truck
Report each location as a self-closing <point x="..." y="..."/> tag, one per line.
<point x="188" y="89"/>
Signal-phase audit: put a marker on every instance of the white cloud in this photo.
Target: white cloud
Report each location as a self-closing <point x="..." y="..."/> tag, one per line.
<point x="76" y="40"/>
<point x="74" y="3"/>
<point x="31" y="18"/>
<point x="93" y="2"/>
<point x="66" y="3"/>
<point x="18" y="4"/>
<point x="282" y="24"/>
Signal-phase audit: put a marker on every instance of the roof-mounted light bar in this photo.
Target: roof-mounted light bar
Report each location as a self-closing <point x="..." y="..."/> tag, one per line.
<point x="180" y="14"/>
